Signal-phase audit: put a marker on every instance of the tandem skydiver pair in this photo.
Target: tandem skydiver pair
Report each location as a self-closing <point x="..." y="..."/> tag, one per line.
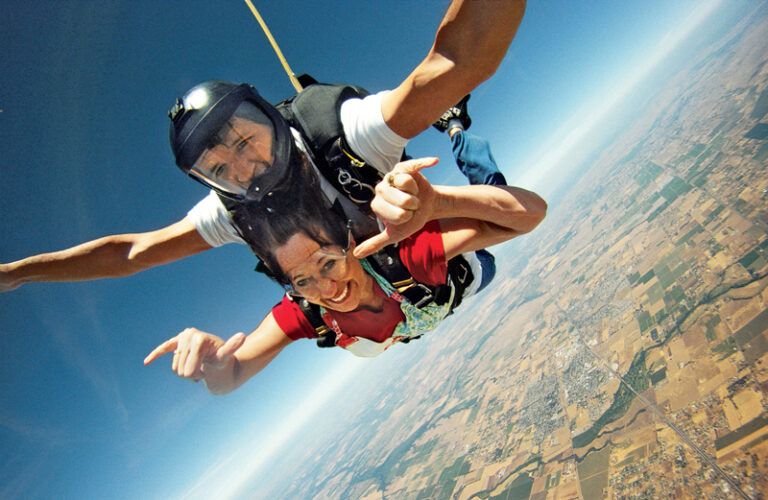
<point x="248" y="155"/>
<point x="306" y="239"/>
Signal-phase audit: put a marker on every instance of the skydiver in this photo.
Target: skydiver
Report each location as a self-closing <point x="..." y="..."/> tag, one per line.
<point x="469" y="45"/>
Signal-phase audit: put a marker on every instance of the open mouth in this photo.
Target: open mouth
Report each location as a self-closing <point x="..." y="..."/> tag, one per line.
<point x="341" y="297"/>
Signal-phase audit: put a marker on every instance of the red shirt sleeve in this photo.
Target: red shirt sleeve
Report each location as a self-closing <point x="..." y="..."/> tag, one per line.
<point x="292" y="321"/>
<point x="424" y="255"/>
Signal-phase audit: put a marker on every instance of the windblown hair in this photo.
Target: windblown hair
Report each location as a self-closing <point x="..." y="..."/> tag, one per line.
<point x="268" y="226"/>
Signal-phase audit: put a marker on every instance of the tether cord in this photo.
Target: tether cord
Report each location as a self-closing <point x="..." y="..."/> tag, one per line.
<point x="288" y="70"/>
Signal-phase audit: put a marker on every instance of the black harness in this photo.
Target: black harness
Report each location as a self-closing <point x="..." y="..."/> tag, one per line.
<point x="316" y="113"/>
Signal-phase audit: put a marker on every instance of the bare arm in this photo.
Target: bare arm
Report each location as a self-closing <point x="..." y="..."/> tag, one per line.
<point x="108" y="257"/>
<point x="470" y="43"/>
<point x="224" y="366"/>
<point x="471" y="217"/>
<point x="475" y="217"/>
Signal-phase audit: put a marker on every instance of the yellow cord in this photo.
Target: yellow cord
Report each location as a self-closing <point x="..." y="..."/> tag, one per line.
<point x="272" y="41"/>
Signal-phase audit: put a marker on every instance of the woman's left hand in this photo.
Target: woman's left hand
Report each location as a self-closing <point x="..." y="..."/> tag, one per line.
<point x="404" y="202"/>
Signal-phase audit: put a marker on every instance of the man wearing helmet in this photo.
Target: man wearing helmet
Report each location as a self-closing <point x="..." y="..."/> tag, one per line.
<point x="248" y="156"/>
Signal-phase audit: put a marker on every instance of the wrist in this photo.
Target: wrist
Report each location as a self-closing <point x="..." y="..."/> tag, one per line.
<point x="10" y="277"/>
<point x="221" y="377"/>
<point x="444" y="203"/>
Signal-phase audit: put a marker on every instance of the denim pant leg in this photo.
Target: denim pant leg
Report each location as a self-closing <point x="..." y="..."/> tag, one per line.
<point x="475" y="160"/>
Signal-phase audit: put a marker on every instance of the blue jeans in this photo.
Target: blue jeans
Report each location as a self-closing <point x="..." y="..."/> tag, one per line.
<point x="475" y="160"/>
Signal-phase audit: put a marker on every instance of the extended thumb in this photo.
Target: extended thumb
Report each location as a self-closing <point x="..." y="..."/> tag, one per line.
<point x="230" y="347"/>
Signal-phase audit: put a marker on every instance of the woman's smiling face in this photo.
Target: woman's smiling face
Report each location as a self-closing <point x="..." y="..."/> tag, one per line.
<point x="324" y="275"/>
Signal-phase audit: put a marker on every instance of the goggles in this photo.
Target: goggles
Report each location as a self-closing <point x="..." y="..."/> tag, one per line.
<point x="332" y="265"/>
<point x="239" y="153"/>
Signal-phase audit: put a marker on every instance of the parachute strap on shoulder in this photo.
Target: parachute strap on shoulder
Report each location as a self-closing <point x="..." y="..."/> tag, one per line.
<point x="325" y="336"/>
<point x="316" y="113"/>
<point x="387" y="264"/>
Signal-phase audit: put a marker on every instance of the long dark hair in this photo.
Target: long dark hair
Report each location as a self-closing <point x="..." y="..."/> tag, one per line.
<point x="268" y="226"/>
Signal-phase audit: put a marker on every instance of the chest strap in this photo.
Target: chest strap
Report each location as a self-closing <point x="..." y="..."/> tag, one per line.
<point x="387" y="263"/>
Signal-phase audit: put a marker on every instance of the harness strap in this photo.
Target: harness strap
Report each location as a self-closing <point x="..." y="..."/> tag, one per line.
<point x="325" y="336"/>
<point x="387" y="263"/>
<point x="461" y="276"/>
<point x="316" y="113"/>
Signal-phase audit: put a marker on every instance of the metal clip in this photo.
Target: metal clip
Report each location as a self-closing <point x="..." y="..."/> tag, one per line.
<point x="428" y="297"/>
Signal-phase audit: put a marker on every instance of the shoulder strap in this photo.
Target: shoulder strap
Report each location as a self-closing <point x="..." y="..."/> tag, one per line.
<point x="387" y="263"/>
<point x="325" y="336"/>
<point x="316" y="113"/>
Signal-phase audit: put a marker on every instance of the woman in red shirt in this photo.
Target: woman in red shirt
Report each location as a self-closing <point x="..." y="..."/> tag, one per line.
<point x="437" y="223"/>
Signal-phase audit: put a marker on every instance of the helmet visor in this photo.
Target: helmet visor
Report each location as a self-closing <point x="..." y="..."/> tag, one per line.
<point x="241" y="151"/>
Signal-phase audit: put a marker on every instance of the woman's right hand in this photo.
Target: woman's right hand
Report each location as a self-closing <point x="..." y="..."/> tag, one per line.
<point x="404" y="202"/>
<point x="196" y="353"/>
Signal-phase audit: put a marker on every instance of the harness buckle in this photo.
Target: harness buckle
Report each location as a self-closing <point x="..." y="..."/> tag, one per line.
<point x="464" y="269"/>
<point x="427" y="298"/>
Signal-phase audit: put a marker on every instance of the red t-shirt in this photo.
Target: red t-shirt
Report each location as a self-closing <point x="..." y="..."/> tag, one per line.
<point x="422" y="254"/>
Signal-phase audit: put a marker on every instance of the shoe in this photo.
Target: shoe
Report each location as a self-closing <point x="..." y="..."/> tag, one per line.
<point x="457" y="112"/>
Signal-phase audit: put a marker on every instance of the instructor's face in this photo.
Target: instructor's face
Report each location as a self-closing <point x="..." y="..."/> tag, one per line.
<point x="244" y="152"/>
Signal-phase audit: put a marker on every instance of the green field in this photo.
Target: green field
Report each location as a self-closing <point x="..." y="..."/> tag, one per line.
<point x="658" y="376"/>
<point x="593" y="473"/>
<point x="637" y="377"/>
<point x="647" y="174"/>
<point x="518" y="489"/>
<point x="742" y="432"/>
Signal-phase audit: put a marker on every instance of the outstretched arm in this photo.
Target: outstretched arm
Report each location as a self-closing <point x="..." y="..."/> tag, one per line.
<point x="224" y="366"/>
<point x="485" y="215"/>
<point x="471" y="217"/>
<point x="470" y="43"/>
<point x="108" y="257"/>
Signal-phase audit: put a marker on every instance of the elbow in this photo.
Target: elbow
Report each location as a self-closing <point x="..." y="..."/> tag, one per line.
<point x="534" y="212"/>
<point x="538" y="211"/>
<point x="455" y="69"/>
<point x="115" y="256"/>
<point x="138" y="256"/>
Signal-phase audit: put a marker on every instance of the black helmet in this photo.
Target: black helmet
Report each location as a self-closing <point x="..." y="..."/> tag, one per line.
<point x="226" y="136"/>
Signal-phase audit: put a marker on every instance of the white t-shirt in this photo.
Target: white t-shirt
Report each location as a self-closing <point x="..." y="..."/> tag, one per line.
<point x="367" y="135"/>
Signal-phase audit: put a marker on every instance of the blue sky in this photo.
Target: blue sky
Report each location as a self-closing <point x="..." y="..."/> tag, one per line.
<point x="84" y="90"/>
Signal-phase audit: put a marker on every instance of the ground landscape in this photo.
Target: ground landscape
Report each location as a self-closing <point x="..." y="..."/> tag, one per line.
<point x="633" y="361"/>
